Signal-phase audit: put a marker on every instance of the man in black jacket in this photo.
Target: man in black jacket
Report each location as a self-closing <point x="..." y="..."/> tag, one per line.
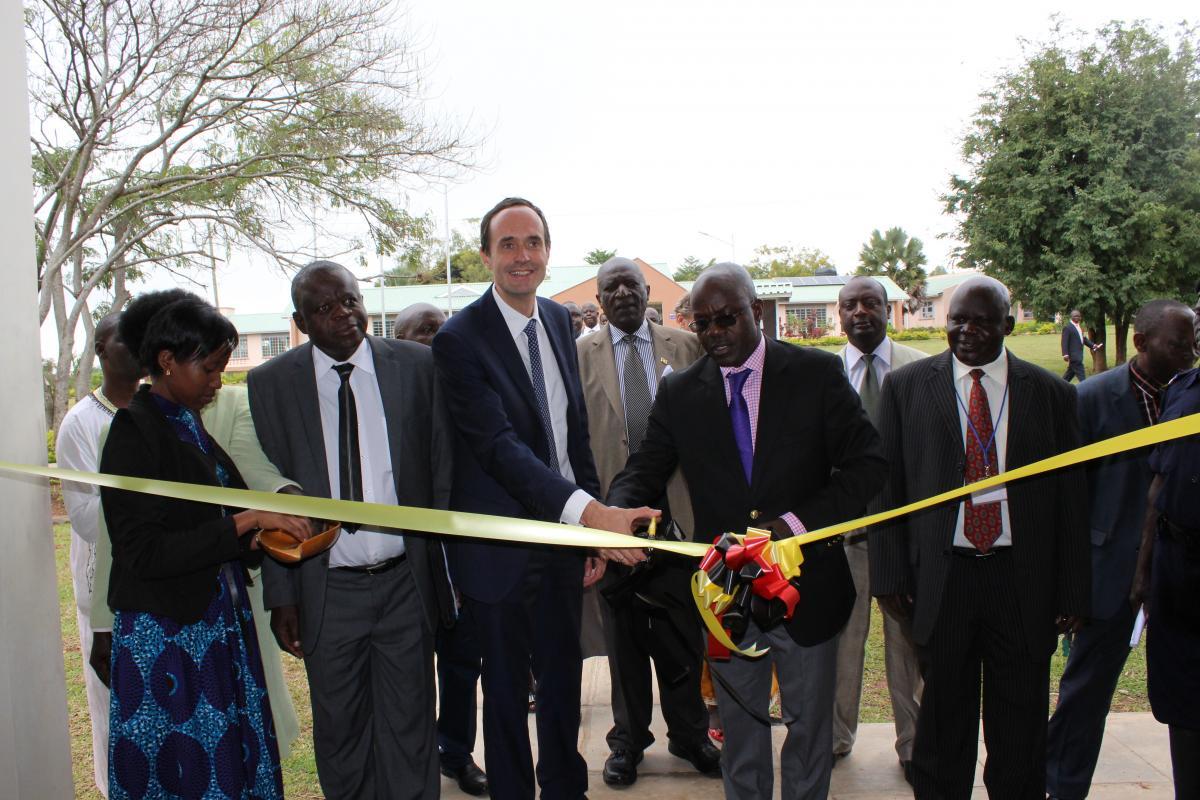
<point x="983" y="581"/>
<point x="771" y="436"/>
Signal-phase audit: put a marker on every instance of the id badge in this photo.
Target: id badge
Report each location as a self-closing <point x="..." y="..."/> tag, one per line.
<point x="987" y="496"/>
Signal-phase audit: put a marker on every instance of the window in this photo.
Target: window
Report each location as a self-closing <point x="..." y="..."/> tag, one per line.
<point x="273" y="344"/>
<point x="805" y="321"/>
<point x="377" y="331"/>
<point x="239" y="353"/>
<point x="1026" y="314"/>
<point x="927" y="310"/>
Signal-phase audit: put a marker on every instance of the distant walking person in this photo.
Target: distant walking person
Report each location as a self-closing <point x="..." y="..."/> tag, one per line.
<point x="1073" y="342"/>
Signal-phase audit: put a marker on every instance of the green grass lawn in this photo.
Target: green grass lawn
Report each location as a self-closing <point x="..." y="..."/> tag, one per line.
<point x="1045" y="351"/>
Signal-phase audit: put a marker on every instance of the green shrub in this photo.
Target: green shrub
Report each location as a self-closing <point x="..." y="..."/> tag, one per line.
<point x="1034" y="328"/>
<point x="50" y="455"/>
<point x="920" y="334"/>
<point x="822" y="341"/>
<point x="235" y="378"/>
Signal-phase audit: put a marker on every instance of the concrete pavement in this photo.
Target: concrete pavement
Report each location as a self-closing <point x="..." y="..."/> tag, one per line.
<point x="1135" y="761"/>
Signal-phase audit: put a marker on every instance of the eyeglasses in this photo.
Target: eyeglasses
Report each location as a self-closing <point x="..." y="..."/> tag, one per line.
<point x="723" y="321"/>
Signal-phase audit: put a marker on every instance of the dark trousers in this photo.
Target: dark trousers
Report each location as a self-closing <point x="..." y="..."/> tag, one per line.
<point x="637" y="633"/>
<point x="458" y="664"/>
<point x="535" y="626"/>
<point x="1185" y="762"/>
<point x="1076" y="730"/>
<point x="978" y="636"/>
<point x="1074" y="370"/>
<point x="371" y="682"/>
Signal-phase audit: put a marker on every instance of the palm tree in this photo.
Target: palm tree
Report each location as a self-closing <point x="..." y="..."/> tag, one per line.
<point x="900" y="258"/>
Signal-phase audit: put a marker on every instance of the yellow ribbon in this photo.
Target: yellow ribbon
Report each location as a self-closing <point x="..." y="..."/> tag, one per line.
<point x="448" y="523"/>
<point x="482" y="526"/>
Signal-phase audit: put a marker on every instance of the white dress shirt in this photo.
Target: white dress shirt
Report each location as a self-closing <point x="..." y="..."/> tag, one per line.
<point x="856" y="367"/>
<point x="78" y="448"/>
<point x="366" y="546"/>
<point x="995" y="384"/>
<point x="556" y="397"/>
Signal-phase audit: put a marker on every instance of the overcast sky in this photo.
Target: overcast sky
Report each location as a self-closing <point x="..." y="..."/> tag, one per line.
<point x="636" y="124"/>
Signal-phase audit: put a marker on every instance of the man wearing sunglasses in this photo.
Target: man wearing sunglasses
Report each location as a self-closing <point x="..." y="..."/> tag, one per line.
<point x="770" y="436"/>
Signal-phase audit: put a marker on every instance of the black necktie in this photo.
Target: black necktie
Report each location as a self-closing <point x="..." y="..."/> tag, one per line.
<point x="349" y="459"/>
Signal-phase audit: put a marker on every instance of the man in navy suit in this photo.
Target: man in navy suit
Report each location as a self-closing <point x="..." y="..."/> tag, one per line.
<point x="1123" y="399"/>
<point x="508" y="366"/>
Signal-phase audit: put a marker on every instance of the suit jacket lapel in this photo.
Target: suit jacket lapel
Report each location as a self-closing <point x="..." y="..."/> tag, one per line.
<point x="1131" y="418"/>
<point x="1020" y="406"/>
<point x="309" y="410"/>
<point x="395" y="393"/>
<point x="945" y="405"/>
<point x="605" y="369"/>
<point x="498" y="337"/>
<point x="772" y="408"/>
<point x="664" y="350"/>
<point x="715" y="412"/>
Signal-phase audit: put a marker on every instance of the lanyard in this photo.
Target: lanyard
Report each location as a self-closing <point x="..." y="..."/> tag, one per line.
<point x="987" y="461"/>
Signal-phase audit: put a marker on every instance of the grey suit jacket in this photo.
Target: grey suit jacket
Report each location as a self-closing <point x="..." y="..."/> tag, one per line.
<point x="606" y="413"/>
<point x="1118" y="487"/>
<point x="923" y="443"/>
<point x="287" y="419"/>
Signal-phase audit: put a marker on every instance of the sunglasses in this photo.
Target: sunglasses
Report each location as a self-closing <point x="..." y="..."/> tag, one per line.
<point x="723" y="321"/>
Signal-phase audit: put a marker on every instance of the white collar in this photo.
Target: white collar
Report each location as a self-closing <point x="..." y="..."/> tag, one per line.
<point x="617" y="334"/>
<point x="882" y="353"/>
<point x="996" y="370"/>
<point x="361" y="359"/>
<point x="515" y="320"/>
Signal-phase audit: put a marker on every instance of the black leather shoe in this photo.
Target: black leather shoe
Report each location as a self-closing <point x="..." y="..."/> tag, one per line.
<point x="620" y="768"/>
<point x="471" y="779"/>
<point x="703" y="756"/>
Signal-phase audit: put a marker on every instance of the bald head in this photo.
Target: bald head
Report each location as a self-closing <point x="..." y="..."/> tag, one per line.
<point x="978" y="320"/>
<point x="732" y="277"/>
<point x="1164" y="337"/>
<point x="418" y="323"/>
<point x="862" y="311"/>
<point x="106" y="328"/>
<point x="309" y="271"/>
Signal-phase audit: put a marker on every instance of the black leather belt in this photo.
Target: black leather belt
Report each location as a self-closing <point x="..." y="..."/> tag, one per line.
<point x="971" y="552"/>
<point x="375" y="569"/>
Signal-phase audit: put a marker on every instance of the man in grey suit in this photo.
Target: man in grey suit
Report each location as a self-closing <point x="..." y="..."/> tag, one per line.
<point x="620" y="368"/>
<point x="988" y="580"/>
<point x="870" y="356"/>
<point x="355" y="417"/>
<point x="1123" y="399"/>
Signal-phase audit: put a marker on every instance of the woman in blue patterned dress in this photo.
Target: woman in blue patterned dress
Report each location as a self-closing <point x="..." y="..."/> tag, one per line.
<point x="190" y="716"/>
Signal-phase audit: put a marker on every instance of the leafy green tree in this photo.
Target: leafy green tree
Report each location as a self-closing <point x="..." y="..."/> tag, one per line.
<point x="598" y="257"/>
<point x="690" y="268"/>
<point x="900" y="258"/>
<point x="1083" y="185"/>
<point x="159" y="124"/>
<point x="786" y="262"/>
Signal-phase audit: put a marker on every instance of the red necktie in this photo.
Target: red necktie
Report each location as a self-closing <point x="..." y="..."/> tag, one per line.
<point x="981" y="524"/>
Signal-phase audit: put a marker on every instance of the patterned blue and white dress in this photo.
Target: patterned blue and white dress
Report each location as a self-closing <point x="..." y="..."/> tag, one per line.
<point x="190" y="716"/>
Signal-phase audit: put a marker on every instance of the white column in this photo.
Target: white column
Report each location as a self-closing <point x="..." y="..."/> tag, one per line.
<point x="35" y="751"/>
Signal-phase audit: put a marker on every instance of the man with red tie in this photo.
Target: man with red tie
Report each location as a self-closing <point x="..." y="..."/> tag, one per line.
<point x="989" y="581"/>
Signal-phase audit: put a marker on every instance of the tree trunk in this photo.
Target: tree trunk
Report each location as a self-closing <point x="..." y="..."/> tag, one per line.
<point x="1098" y="333"/>
<point x="1121" y="322"/>
<point x="83" y="373"/>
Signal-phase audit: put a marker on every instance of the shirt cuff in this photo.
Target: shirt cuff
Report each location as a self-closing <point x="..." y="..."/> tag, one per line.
<point x="101" y="630"/>
<point x="572" y="512"/>
<point x="795" y="524"/>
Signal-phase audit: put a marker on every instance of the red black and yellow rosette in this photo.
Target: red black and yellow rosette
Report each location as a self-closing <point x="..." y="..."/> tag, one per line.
<point x="743" y="578"/>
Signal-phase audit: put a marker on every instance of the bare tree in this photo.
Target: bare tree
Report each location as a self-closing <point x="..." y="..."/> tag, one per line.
<point x="158" y="121"/>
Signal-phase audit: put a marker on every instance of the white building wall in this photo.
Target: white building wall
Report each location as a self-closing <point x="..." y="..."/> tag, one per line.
<point x="35" y="752"/>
